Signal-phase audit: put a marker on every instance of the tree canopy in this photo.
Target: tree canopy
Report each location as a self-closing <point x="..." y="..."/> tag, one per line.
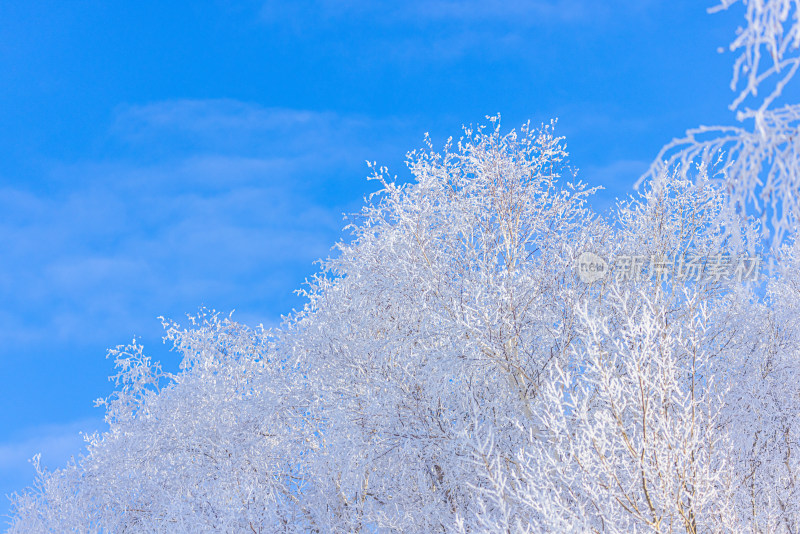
<point x="453" y="370"/>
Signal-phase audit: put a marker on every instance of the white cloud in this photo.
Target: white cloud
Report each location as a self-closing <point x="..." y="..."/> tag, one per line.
<point x="55" y="442"/>
<point x="230" y="126"/>
<point x="424" y="31"/>
<point x="415" y="12"/>
<point x="231" y="208"/>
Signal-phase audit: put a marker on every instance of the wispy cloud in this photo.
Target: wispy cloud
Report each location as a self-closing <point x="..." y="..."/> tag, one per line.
<point x="210" y="202"/>
<point x="231" y="126"/>
<point x="417" y="12"/>
<point x="423" y="30"/>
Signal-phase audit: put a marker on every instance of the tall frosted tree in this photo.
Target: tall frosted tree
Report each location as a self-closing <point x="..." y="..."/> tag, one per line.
<point x="456" y="294"/>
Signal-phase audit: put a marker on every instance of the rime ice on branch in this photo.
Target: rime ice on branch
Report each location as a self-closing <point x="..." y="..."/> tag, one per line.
<point x="758" y="161"/>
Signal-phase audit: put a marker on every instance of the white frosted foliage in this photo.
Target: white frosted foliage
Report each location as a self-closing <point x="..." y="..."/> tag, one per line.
<point x="452" y="372"/>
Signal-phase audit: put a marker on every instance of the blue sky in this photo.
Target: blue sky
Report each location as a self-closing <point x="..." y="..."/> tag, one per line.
<point x="156" y="157"/>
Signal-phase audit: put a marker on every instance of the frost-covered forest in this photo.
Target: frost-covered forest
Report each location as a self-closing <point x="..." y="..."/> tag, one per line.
<point x="456" y="370"/>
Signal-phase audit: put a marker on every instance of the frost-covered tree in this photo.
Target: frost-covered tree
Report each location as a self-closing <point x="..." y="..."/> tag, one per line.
<point x="452" y="371"/>
<point x="630" y="438"/>
<point x="634" y="431"/>
<point x="216" y="447"/>
<point x="758" y="160"/>
<point x="456" y="292"/>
